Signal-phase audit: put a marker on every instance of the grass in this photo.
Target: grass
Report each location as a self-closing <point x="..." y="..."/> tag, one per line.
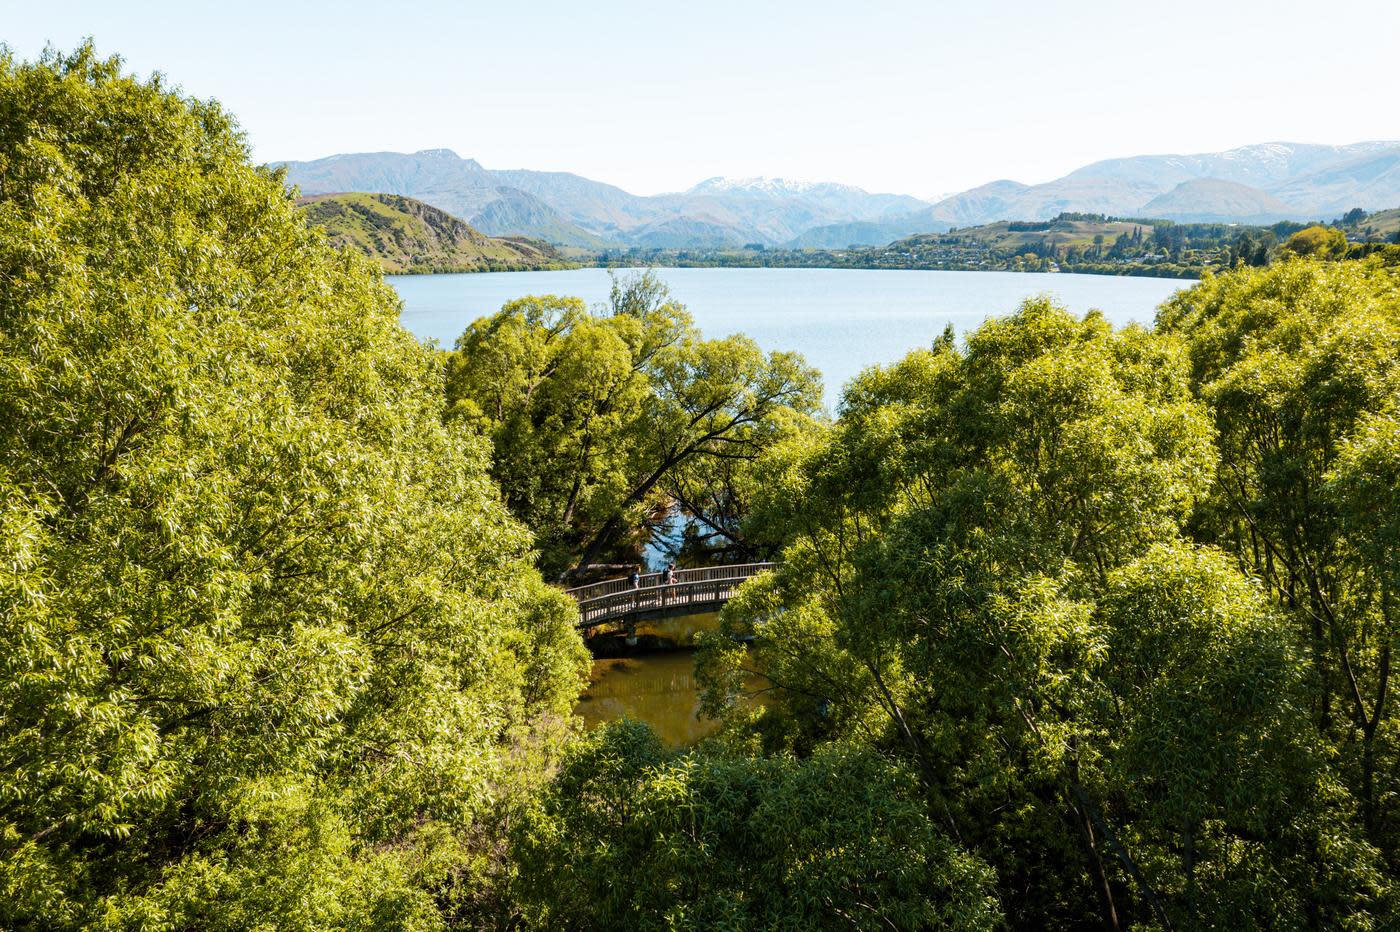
<point x="407" y="236"/>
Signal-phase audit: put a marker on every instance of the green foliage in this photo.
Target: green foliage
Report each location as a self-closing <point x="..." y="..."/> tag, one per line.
<point x="1073" y="626"/>
<point x="289" y="862"/>
<point x="599" y="422"/>
<point x="1301" y="365"/>
<point x="1365" y="484"/>
<point x="404" y="235"/>
<point x="985" y="572"/>
<point x="1220" y="777"/>
<point x="268" y="643"/>
<point x="628" y="837"/>
<point x="1319" y="242"/>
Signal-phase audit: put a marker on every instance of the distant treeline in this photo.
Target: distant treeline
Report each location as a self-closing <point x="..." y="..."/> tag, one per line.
<point x="1077" y="242"/>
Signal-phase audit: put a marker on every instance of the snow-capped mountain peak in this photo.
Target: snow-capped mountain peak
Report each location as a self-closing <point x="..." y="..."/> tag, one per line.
<point x="779" y="187"/>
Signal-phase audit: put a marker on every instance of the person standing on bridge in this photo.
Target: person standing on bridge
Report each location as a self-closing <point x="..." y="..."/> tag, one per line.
<point x="636" y="578"/>
<point x="670" y="574"/>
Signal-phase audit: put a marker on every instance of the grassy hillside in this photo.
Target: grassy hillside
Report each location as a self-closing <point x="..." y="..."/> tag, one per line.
<point x="1015" y="235"/>
<point x="406" y="235"/>
<point x="1382" y="223"/>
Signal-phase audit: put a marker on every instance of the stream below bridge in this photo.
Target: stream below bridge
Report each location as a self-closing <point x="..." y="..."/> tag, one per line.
<point x="655" y="683"/>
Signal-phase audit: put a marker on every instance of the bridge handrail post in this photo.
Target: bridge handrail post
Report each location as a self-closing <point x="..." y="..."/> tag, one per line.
<point x="616" y="599"/>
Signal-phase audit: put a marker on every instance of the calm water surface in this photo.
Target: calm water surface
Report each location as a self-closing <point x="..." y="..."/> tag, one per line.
<point x="842" y="320"/>
<point x="658" y="688"/>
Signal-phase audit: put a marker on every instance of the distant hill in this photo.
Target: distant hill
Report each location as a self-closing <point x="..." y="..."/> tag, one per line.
<point x="1382" y="223"/>
<point x="436" y="176"/>
<point x="1206" y="200"/>
<point x="439" y="177"/>
<point x="870" y="232"/>
<point x="1290" y="180"/>
<point x="995" y="200"/>
<point x="516" y="212"/>
<point x="1252" y="184"/>
<point x="406" y="235"/>
<point x="1371" y="182"/>
<point x="819" y="196"/>
<point x="1263" y="165"/>
<point x="1249" y="184"/>
<point x="1019" y="235"/>
<point x="686" y="232"/>
<point x="601" y="208"/>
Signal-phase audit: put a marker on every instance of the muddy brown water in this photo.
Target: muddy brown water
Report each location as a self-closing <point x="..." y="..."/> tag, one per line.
<point x="655" y="685"/>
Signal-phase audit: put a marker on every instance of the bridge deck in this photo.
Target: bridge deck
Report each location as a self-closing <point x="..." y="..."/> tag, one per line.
<point x="697" y="590"/>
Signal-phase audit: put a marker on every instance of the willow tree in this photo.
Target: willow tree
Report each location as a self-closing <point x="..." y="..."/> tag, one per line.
<point x="601" y="422"/>
<point x="1300" y="364"/>
<point x="985" y="572"/>
<point x="268" y="644"/>
<point x="629" y="837"/>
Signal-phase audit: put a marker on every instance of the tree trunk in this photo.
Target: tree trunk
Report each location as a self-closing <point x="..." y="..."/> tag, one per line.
<point x="1096" y="868"/>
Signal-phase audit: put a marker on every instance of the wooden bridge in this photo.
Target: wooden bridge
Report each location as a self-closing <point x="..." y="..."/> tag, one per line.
<point x="694" y="591"/>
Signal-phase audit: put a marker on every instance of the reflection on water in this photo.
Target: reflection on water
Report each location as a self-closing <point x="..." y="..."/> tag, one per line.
<point x="658" y="687"/>
<point x="681" y="630"/>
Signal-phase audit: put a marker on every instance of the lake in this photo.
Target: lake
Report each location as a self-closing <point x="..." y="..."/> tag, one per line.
<point x="842" y="320"/>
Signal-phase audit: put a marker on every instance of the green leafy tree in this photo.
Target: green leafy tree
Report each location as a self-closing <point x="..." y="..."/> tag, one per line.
<point x="559" y="393"/>
<point x="1301" y="366"/>
<point x="601" y="422"/>
<point x="1210" y="761"/>
<point x="629" y="837"/>
<point x="966" y="582"/>
<point x="269" y="646"/>
<point x="1318" y="242"/>
<point x="1354" y="217"/>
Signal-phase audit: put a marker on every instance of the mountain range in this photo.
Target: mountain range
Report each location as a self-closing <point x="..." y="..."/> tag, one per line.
<point x="1251" y="184"/>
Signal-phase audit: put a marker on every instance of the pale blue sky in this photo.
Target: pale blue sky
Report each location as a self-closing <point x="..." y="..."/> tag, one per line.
<point x="918" y="97"/>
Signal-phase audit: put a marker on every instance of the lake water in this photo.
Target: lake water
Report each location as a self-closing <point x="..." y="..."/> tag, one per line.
<point x="842" y="320"/>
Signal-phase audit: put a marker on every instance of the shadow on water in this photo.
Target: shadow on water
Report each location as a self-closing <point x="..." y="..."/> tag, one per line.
<point x="654" y="683"/>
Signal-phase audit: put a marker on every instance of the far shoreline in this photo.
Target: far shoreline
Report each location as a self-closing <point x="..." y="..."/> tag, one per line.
<point x="1196" y="276"/>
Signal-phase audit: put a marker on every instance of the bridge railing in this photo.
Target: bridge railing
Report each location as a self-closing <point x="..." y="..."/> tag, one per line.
<point x="692" y="589"/>
<point x="649" y="580"/>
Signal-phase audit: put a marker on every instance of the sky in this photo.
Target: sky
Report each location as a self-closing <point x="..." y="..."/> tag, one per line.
<point x="923" y="98"/>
